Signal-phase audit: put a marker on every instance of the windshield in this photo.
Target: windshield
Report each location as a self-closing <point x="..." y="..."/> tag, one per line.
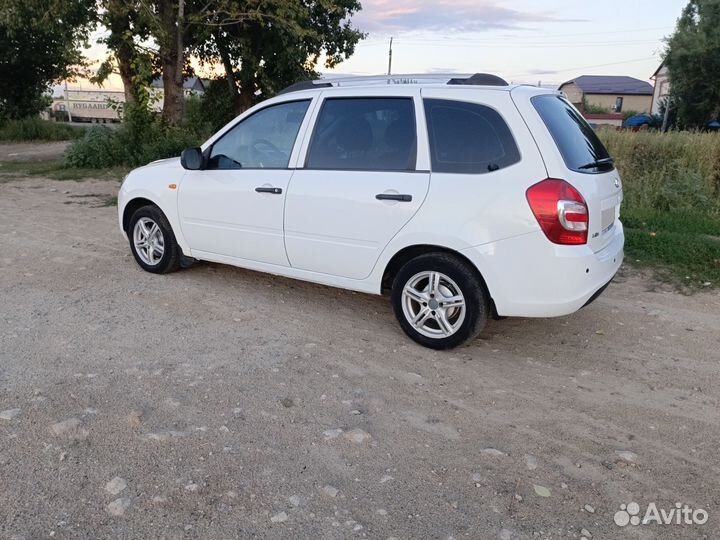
<point x="579" y="145"/>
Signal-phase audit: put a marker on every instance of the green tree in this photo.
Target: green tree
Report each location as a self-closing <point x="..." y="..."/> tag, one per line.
<point x="147" y="39"/>
<point x="128" y="57"/>
<point x="265" y="45"/>
<point x="693" y="58"/>
<point x="40" y="44"/>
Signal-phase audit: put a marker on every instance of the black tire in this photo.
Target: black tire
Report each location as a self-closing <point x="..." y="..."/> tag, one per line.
<point x="172" y="254"/>
<point x="477" y="304"/>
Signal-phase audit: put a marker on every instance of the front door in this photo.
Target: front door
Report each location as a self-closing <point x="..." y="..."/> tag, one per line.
<point x="234" y="207"/>
<point x="359" y="185"/>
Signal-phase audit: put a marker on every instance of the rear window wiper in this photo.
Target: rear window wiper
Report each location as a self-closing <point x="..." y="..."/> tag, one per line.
<point x="597" y="163"/>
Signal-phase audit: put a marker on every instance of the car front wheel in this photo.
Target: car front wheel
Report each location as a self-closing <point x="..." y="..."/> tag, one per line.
<point x="152" y="241"/>
<point x="439" y="301"/>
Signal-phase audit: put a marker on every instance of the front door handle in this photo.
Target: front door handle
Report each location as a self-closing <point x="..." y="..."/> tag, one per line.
<point x="393" y="197"/>
<point x="273" y="190"/>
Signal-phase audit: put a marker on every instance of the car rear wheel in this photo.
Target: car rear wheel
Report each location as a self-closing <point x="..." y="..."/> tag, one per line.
<point x="439" y="301"/>
<point x="152" y="241"/>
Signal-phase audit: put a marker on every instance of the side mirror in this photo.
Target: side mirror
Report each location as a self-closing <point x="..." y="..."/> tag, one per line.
<point x="192" y="159"/>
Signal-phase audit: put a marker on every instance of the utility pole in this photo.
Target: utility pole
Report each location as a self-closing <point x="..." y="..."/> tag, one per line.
<point x="390" y="57"/>
<point x="67" y="103"/>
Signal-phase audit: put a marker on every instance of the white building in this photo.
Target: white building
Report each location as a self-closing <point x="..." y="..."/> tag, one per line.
<point x="98" y="105"/>
<point x="89" y="105"/>
<point x="662" y="87"/>
<point x="193" y="86"/>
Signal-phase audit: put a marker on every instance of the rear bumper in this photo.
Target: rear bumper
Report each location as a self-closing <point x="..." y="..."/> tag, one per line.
<point x="597" y="293"/>
<point x="528" y="276"/>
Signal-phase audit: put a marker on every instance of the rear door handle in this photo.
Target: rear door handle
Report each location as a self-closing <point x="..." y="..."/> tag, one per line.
<point x="393" y="197"/>
<point x="273" y="190"/>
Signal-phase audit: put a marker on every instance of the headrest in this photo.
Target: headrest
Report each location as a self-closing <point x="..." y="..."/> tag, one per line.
<point x="354" y="135"/>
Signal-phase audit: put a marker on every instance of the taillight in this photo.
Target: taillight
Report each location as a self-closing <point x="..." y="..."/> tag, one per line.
<point x="560" y="210"/>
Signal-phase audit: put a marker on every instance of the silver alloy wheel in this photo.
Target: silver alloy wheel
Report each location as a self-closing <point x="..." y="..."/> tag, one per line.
<point x="149" y="241"/>
<point x="433" y="304"/>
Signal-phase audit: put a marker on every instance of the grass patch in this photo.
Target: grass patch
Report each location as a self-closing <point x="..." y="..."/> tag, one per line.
<point x="56" y="170"/>
<point x="36" y="129"/>
<point x="683" y="248"/>
<point x="671" y="210"/>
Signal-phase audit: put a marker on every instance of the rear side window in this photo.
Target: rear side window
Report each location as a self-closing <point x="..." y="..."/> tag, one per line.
<point x="579" y="146"/>
<point x="468" y="138"/>
<point x="364" y="134"/>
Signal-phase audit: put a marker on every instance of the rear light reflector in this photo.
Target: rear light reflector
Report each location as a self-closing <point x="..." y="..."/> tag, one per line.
<point x="560" y="210"/>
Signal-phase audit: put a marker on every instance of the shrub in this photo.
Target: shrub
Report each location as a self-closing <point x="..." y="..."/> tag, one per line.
<point x="196" y="119"/>
<point x="596" y="109"/>
<point x="141" y="138"/>
<point x="671" y="210"/>
<point x="36" y="129"/>
<point x="98" y="148"/>
<point x="217" y="106"/>
<point x="655" y="165"/>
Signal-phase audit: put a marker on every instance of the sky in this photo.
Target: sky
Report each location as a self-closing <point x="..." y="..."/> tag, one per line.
<point x="523" y="41"/>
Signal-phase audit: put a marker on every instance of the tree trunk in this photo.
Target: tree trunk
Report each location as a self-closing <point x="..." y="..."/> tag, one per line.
<point x="127" y="74"/>
<point x="247" y="75"/>
<point x="118" y="22"/>
<point x="229" y="73"/>
<point x="245" y="102"/>
<point x="171" y="51"/>
<point x="173" y="98"/>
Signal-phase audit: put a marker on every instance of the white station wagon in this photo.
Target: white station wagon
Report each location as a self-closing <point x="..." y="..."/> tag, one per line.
<point x="463" y="198"/>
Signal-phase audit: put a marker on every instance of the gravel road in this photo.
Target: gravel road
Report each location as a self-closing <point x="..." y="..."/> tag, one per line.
<point x="218" y="403"/>
<point x="32" y="151"/>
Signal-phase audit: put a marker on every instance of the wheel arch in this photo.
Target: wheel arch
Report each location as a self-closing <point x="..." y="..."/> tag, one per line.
<point x="410" y="252"/>
<point x="132" y="206"/>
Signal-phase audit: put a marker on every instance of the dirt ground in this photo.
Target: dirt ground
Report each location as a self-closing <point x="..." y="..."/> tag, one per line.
<point x="218" y="403"/>
<point x="32" y="151"/>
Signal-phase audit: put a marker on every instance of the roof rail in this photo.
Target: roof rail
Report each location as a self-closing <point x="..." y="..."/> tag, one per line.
<point x="476" y="79"/>
<point x="304" y="85"/>
<point x="480" y="79"/>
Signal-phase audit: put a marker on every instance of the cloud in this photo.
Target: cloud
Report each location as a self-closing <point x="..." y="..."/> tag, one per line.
<point x="543" y="72"/>
<point x="441" y="70"/>
<point x="384" y="16"/>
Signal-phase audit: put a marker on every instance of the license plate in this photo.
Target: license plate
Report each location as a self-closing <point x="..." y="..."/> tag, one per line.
<point x="608" y="219"/>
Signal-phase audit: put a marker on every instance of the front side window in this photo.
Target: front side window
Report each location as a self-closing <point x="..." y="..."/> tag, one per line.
<point x="262" y="141"/>
<point x="468" y="138"/>
<point x="364" y="134"/>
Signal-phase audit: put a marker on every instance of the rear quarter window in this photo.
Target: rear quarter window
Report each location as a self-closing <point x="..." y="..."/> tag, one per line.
<point x="579" y="145"/>
<point x="468" y="138"/>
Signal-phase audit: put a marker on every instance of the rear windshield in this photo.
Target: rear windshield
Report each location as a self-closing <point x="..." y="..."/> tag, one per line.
<point x="579" y="145"/>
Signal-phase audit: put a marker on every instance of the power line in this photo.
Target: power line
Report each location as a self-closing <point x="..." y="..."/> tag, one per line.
<point x="606" y="32"/>
<point x="505" y="44"/>
<point x="586" y="67"/>
<point x="455" y="41"/>
<point x="521" y="42"/>
<point x="520" y="45"/>
<point x="633" y="30"/>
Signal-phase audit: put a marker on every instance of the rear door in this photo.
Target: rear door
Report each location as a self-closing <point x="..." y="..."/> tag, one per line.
<point x="573" y="152"/>
<point x="360" y="184"/>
